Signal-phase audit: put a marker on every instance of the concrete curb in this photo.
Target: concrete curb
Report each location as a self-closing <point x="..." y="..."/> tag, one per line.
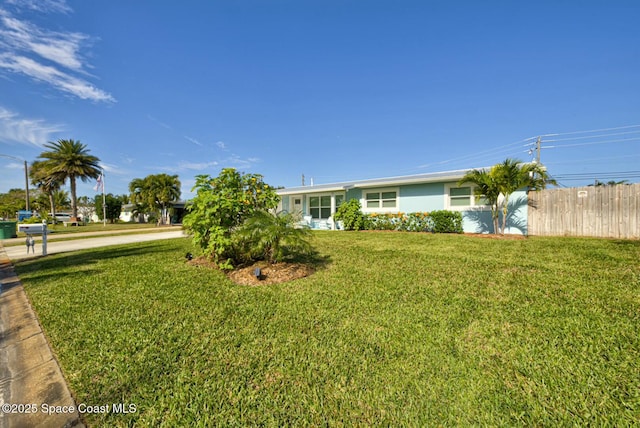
<point x="30" y="377"/>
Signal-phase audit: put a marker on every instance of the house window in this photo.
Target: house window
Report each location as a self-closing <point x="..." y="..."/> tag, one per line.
<point x="320" y="206"/>
<point x="382" y="199"/>
<point x="460" y="196"/>
<point x="339" y="200"/>
<point x="463" y="197"/>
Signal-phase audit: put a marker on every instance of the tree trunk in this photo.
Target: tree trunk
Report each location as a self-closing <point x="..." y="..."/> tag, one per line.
<point x="53" y="205"/>
<point x="505" y="211"/>
<point x="495" y="216"/>
<point x="74" y="204"/>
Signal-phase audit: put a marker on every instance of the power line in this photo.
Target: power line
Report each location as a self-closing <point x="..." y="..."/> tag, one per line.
<point x="483" y="154"/>
<point x="592" y="143"/>
<point x="537" y="143"/>
<point x="590" y="175"/>
<point x="592" y="130"/>
<point x="593" y="136"/>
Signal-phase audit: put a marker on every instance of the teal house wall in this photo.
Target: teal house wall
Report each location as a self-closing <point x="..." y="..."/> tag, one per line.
<point x="417" y="193"/>
<point x="480" y="221"/>
<point x="421" y="197"/>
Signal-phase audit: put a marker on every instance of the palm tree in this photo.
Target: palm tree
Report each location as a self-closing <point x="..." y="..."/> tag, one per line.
<point x="45" y="182"/>
<point x="273" y="237"/>
<point x="498" y="183"/>
<point x="485" y="187"/>
<point x="158" y="192"/>
<point x="70" y="159"/>
<point x="512" y="175"/>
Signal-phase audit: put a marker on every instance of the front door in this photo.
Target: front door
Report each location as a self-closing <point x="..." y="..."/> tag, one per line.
<point x="296" y="204"/>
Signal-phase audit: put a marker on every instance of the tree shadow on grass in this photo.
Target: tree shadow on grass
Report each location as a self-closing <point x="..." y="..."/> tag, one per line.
<point x="48" y="267"/>
<point x="314" y="259"/>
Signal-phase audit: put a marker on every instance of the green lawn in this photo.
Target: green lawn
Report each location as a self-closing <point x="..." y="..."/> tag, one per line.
<point x="396" y="329"/>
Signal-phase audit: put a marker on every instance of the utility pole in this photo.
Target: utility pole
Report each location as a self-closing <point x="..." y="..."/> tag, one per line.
<point x="26" y="185"/>
<point x="538" y="144"/>
<point x="303" y="180"/>
<point x="26" y="179"/>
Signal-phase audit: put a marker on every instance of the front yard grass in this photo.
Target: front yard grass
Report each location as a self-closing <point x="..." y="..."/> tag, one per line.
<point x="399" y="329"/>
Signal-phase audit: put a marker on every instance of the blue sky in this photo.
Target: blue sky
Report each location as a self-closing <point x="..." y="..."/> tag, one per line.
<point x="333" y="89"/>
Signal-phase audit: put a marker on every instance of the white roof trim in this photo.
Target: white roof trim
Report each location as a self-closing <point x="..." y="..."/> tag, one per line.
<point x="433" y="177"/>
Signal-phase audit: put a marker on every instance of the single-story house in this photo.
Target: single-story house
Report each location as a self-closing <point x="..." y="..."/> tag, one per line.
<point x="407" y="194"/>
<point x="177" y="211"/>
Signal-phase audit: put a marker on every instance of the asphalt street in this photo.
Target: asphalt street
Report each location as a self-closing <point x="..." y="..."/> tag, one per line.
<point x="19" y="252"/>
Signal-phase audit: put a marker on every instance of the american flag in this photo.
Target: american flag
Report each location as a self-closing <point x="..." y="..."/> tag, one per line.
<point x="100" y="184"/>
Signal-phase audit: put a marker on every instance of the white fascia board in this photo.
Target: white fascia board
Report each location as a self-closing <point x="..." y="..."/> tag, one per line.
<point x="433" y="177"/>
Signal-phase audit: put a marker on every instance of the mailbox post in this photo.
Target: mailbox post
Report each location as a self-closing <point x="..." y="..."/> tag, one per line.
<point x="44" y="237"/>
<point x="36" y="229"/>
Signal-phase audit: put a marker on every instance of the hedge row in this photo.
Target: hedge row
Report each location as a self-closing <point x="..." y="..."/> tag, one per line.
<point x="441" y="221"/>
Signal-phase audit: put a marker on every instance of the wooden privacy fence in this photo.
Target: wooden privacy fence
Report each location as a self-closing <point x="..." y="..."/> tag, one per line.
<point x="600" y="211"/>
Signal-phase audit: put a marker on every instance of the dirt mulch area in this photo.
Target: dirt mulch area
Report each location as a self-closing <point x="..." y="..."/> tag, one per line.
<point x="270" y="273"/>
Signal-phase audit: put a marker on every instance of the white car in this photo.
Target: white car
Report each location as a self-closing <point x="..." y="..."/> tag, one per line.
<point x="62" y="218"/>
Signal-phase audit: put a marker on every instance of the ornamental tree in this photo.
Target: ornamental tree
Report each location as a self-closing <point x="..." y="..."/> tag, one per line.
<point x="113" y="206"/>
<point x="497" y="184"/>
<point x="156" y="193"/>
<point x="221" y="206"/>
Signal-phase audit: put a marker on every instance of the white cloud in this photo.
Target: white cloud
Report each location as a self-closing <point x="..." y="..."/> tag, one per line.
<point x="187" y="166"/>
<point x="153" y="119"/>
<point x="46" y="6"/>
<point x="236" y="161"/>
<point x="197" y="166"/>
<point x="53" y="76"/>
<point x="221" y="145"/>
<point x="61" y="48"/>
<point x="24" y="46"/>
<point x="126" y="159"/>
<point x="193" y="140"/>
<point x="14" y="165"/>
<point x="24" y="130"/>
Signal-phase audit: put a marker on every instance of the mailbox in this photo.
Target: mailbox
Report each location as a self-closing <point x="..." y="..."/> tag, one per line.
<point x="32" y="229"/>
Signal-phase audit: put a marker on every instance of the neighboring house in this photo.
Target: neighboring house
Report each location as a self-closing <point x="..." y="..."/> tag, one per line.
<point x="178" y="211"/>
<point x="126" y="214"/>
<point x="407" y="194"/>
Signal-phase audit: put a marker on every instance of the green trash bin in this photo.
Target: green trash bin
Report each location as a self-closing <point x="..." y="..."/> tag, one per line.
<point x="8" y="229"/>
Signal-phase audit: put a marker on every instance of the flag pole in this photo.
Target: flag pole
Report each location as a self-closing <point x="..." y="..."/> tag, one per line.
<point x="104" y="203"/>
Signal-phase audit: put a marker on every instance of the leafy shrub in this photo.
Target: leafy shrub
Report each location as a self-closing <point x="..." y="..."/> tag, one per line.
<point x="417" y="222"/>
<point x="350" y="215"/>
<point x="411" y="222"/>
<point x="445" y="221"/>
<point x="221" y="206"/>
<point x="375" y="221"/>
<point x="33" y="220"/>
<point x="265" y="236"/>
<point x="437" y="221"/>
